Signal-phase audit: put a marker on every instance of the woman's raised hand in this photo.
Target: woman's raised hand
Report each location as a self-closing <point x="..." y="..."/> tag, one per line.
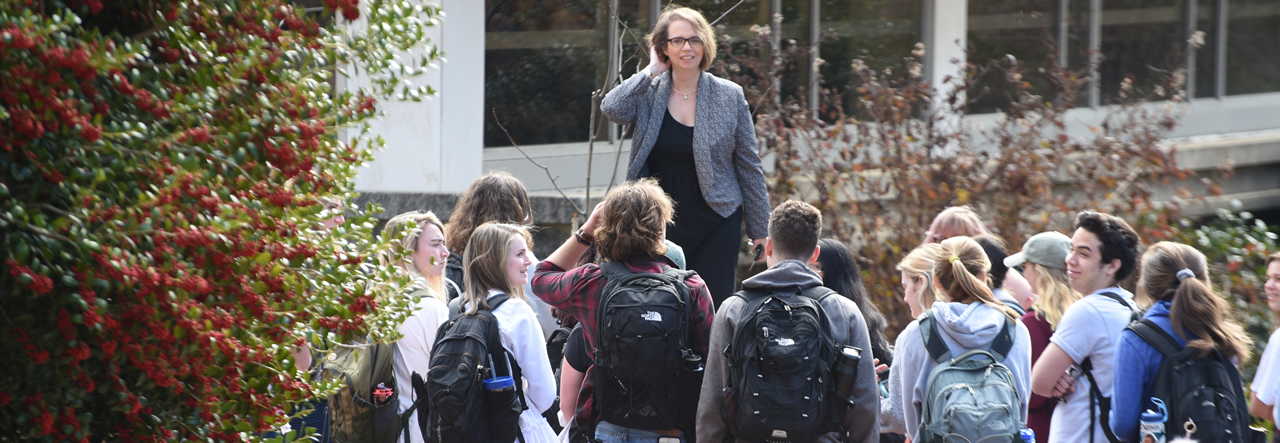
<point x="657" y="65"/>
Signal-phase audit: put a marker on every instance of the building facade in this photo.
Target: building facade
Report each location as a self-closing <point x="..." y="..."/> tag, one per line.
<point x="524" y="71"/>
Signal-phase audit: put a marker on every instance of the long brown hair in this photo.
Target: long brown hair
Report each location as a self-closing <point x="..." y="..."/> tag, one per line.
<point x="484" y="265"/>
<point x="1194" y="307"/>
<point x="959" y="262"/>
<point x="493" y="197"/>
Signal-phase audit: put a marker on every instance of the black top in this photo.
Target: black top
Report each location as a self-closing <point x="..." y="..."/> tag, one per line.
<point x="674" y="147"/>
<point x="575" y="350"/>
<point x="672" y="163"/>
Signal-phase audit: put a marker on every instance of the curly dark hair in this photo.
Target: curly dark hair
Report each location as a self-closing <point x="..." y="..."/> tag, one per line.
<point x="1119" y="240"/>
<point x="794" y="228"/>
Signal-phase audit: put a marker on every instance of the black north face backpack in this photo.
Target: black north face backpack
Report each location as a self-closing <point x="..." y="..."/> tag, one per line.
<point x="641" y="344"/>
<point x="467" y="348"/>
<point x="1205" y="390"/>
<point x="780" y="386"/>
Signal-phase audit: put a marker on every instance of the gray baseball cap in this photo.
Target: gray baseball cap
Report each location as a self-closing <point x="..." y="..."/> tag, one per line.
<point x="1044" y="249"/>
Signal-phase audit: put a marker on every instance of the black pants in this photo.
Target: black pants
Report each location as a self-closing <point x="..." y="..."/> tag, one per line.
<point x="712" y="252"/>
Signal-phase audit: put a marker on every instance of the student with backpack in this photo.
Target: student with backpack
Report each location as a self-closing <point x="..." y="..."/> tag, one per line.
<point x="646" y="323"/>
<point x="495" y="268"/>
<point x="422" y="256"/>
<point x="1044" y="262"/>
<point x="1078" y="366"/>
<point x="963" y="368"/>
<point x="1183" y="352"/>
<point x="919" y="293"/>
<point x="774" y="375"/>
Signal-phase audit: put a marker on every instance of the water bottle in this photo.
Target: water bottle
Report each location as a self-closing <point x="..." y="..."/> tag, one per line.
<point x="1028" y="435"/>
<point x="847" y="370"/>
<point x="1152" y="427"/>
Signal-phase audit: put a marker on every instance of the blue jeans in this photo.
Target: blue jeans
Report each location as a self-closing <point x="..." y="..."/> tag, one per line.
<point x="610" y="433"/>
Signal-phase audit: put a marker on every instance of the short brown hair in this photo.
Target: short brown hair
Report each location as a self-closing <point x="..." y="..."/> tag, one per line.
<point x="633" y="220"/>
<point x="794" y="228"/>
<point x="493" y="197"/>
<point x="658" y="36"/>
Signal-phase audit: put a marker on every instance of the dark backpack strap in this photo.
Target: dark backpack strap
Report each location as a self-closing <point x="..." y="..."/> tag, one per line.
<point x="1003" y="343"/>
<point x="937" y="347"/>
<point x="933" y="342"/>
<point x="495" y="342"/>
<point x="455" y="308"/>
<point x="818" y="293"/>
<point x="1101" y="401"/>
<point x="1015" y="307"/>
<point x="1134" y="313"/>
<point x="613" y="269"/>
<point x="1156" y="336"/>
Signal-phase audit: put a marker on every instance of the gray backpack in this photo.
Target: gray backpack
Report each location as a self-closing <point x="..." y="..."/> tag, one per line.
<point x="972" y="397"/>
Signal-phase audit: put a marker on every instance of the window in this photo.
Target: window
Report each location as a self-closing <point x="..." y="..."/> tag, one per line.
<point x="881" y="33"/>
<point x="1144" y="40"/>
<point x="543" y="58"/>
<point x="1253" y="46"/>
<point x="1023" y="29"/>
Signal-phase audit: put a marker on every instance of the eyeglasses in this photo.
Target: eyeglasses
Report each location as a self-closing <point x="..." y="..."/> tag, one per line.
<point x="678" y="42"/>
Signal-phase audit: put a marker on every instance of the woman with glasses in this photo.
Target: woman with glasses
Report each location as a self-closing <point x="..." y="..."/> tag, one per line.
<point x="693" y="132"/>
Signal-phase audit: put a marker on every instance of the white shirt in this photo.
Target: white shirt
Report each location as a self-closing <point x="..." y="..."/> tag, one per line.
<point x="1090" y="328"/>
<point x="413" y="353"/>
<point x="1265" y="383"/>
<point x="522" y="337"/>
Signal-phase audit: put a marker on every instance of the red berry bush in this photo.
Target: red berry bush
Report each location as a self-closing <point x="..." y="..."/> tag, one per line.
<point x="163" y="169"/>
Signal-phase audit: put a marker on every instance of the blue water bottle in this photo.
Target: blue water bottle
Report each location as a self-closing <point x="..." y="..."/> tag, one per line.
<point x="1028" y="435"/>
<point x="1152" y="428"/>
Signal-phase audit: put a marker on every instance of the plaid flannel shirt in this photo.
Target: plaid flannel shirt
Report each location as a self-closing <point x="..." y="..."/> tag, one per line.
<point x="578" y="291"/>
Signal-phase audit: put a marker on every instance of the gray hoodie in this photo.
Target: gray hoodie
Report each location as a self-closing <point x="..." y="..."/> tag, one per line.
<point x="848" y="328"/>
<point x="963" y="326"/>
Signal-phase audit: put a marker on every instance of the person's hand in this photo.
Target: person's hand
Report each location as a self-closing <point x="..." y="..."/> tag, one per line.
<point x="593" y="221"/>
<point x="1066" y="385"/>
<point x="757" y="246"/>
<point x="879" y="367"/>
<point x="656" y="63"/>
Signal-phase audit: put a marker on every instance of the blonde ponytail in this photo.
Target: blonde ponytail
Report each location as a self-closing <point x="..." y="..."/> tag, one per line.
<point x="960" y="261"/>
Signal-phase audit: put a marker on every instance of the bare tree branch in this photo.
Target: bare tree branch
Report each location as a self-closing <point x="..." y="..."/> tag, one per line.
<point x="617" y="158"/>
<point x="535" y="162"/>
<point x="717" y="20"/>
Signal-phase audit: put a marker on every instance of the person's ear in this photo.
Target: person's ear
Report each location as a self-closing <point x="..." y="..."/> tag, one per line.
<point x="768" y="247"/>
<point x="1111" y="268"/>
<point x="817" y="250"/>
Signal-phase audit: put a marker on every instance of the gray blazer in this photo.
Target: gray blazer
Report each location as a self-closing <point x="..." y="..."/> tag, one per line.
<point x="724" y="141"/>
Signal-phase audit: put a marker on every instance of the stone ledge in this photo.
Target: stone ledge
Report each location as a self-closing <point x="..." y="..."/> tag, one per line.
<point x="547" y="210"/>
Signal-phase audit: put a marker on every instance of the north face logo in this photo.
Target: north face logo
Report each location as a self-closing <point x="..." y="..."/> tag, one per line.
<point x="652" y="316"/>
